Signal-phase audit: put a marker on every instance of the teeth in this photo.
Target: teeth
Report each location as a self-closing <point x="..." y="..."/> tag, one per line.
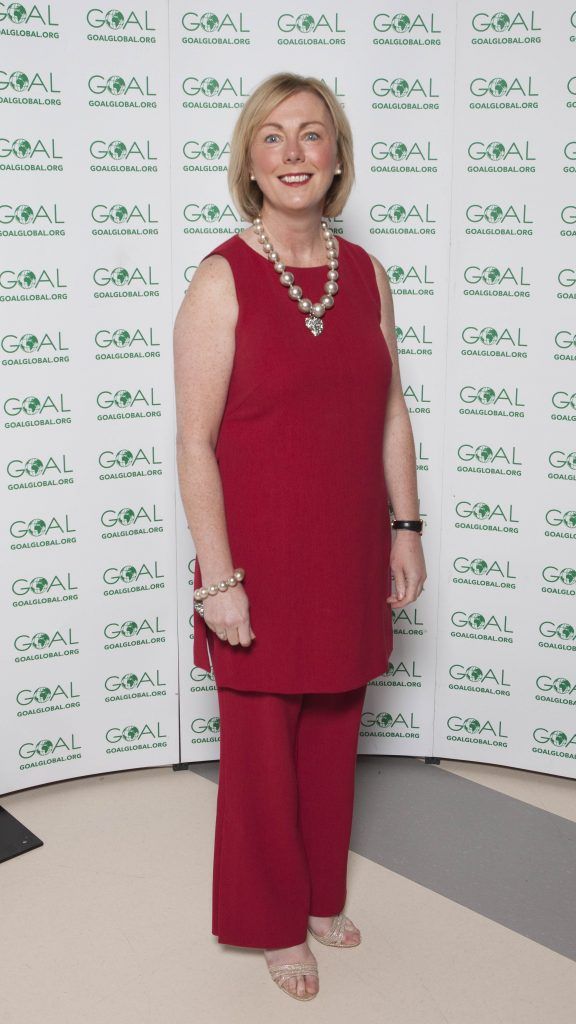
<point x="294" y="177"/>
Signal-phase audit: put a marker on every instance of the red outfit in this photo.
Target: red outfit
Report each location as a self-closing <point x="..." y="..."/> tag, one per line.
<point x="284" y="817"/>
<point x="300" y="454"/>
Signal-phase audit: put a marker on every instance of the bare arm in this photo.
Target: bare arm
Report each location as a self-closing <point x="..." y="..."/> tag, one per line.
<point x="407" y="557"/>
<point x="204" y="345"/>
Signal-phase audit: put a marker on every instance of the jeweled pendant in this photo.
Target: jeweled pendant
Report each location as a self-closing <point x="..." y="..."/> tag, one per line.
<point x="314" y="324"/>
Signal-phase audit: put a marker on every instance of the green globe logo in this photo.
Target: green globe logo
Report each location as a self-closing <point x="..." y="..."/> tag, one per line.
<point x="122" y="399"/>
<point x="477" y="620"/>
<point x="28" y="343"/>
<point x="396" y="274"/>
<point x="42" y="694"/>
<point x="498" y="86"/>
<point x="31" y="404"/>
<point x="491" y="275"/>
<point x="38" y="584"/>
<point x="129" y="681"/>
<point x="121" y="338"/>
<point x="36" y="527"/>
<point x="479" y="566"/>
<point x="21" y="147"/>
<point x="44" y="747"/>
<point x="33" y="466"/>
<point x="40" y="640"/>
<point x="565" y="630"/>
<point x="116" y="85"/>
<point x="304" y="23"/>
<point x="114" y="19"/>
<point x="398" y="151"/>
<point x="119" y="275"/>
<point x="488" y="335"/>
<point x="210" y="212"/>
<point x="213" y="725"/>
<point x="209" y="86"/>
<point x="126" y="516"/>
<point x="397" y="213"/>
<point x="26" y="278"/>
<point x="568" y="576"/>
<point x="383" y="719"/>
<point x="117" y="150"/>
<point x="19" y="81"/>
<point x="399" y="333"/>
<point x="129" y="628"/>
<point x="483" y="453"/>
<point x="569" y="519"/>
<point x="16" y="12"/>
<point x="210" y="150"/>
<point x="486" y="395"/>
<point x="559" y="738"/>
<point x="561" y="685"/>
<point x="209" y="21"/>
<point x="23" y="214"/>
<point x="400" y="22"/>
<point x="472" y="725"/>
<point x="493" y="213"/>
<point x="495" y="151"/>
<point x="124" y="458"/>
<point x="481" y="510"/>
<point x="571" y="460"/>
<point x="474" y="674"/>
<point x="399" y="87"/>
<point x="127" y="573"/>
<point x="118" y="213"/>
<point x="131" y="732"/>
<point x="500" y="22"/>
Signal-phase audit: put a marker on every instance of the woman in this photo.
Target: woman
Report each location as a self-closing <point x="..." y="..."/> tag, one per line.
<point x="292" y="436"/>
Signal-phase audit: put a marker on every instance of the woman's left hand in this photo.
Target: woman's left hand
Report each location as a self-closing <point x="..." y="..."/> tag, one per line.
<point x="408" y="568"/>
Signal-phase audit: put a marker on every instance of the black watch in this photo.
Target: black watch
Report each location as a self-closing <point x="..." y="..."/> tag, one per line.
<point x="416" y="525"/>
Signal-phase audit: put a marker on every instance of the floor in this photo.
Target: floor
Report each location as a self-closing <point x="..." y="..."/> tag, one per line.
<point x="462" y="878"/>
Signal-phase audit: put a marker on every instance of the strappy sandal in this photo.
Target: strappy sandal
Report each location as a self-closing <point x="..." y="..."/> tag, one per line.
<point x="335" y="934"/>
<point x="282" y="972"/>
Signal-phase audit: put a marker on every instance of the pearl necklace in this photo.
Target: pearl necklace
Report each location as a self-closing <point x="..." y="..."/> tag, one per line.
<point x="315" y="310"/>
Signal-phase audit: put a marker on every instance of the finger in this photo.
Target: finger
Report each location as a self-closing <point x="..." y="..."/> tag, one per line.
<point x="400" y="584"/>
<point x="232" y="635"/>
<point x="244" y="632"/>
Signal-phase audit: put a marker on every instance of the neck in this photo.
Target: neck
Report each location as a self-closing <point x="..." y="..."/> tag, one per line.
<point x="297" y="236"/>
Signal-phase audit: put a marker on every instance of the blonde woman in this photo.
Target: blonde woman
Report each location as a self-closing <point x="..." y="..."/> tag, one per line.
<point x="293" y="443"/>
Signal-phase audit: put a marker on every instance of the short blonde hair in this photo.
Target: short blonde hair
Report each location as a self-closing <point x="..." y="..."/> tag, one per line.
<point x="247" y="194"/>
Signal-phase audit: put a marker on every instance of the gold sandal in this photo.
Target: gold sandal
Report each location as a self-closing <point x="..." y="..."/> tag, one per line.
<point x="282" y="972"/>
<point x="335" y="934"/>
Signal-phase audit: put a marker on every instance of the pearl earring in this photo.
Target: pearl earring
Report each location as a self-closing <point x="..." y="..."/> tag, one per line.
<point x="338" y="170"/>
<point x="252" y="177"/>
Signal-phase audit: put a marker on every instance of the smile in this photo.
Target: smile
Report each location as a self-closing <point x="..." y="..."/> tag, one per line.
<point x="295" y="179"/>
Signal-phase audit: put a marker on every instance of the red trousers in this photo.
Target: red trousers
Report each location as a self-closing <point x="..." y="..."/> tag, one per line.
<point x="284" y="812"/>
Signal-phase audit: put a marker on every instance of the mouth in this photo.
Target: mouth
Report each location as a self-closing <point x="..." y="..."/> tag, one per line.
<point x="294" y="179"/>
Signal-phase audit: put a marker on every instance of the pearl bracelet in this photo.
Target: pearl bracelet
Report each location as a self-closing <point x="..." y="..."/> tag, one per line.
<point x="216" y="588"/>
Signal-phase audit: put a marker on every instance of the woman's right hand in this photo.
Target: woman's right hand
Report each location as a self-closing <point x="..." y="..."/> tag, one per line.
<point x="227" y="613"/>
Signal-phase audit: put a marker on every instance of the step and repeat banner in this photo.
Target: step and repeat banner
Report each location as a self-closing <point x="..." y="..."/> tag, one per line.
<point x="114" y="141"/>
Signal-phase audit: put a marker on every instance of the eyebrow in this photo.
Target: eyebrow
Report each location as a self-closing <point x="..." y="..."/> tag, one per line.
<point x="274" y="124"/>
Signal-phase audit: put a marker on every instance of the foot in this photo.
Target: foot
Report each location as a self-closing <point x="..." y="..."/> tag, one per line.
<point x="322" y="925"/>
<point x="303" y="986"/>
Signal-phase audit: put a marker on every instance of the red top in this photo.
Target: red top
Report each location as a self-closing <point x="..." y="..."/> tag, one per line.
<point x="300" y="454"/>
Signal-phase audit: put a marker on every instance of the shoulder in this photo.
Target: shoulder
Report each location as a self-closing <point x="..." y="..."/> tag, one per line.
<point x="213" y="281"/>
<point x="382" y="280"/>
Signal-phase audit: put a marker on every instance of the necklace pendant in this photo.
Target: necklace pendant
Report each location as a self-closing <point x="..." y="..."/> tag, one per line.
<point x="314" y="324"/>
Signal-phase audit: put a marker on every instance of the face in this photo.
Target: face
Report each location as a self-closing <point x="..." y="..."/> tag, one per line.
<point x="294" y="154"/>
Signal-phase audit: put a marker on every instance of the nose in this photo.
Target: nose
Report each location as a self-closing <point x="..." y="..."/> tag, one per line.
<point x="293" y="152"/>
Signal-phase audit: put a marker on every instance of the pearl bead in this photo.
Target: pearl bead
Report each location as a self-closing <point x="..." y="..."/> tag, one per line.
<point x="332" y="275"/>
<point x="304" y="305"/>
<point x="239" y="574"/>
<point x="279" y="267"/>
<point x="223" y="585"/>
<point x="267" y="247"/>
<point x="286" y="278"/>
<point x="231" y="581"/>
<point x="203" y="593"/>
<point x="331" y="244"/>
<point x="318" y="309"/>
<point x="333" y="264"/>
<point x="331" y="287"/>
<point x="213" y="589"/>
<point x="327" y="301"/>
<point x="295" y="291"/>
<point x="273" y="256"/>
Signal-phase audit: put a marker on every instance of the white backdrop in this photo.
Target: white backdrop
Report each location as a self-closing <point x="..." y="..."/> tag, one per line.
<point x="113" y="154"/>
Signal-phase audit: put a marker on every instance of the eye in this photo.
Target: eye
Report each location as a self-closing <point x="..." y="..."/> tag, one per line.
<point x="313" y="133"/>
<point x="272" y="135"/>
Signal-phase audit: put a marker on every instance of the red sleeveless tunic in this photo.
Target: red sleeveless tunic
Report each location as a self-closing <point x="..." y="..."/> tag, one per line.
<point x="300" y="454"/>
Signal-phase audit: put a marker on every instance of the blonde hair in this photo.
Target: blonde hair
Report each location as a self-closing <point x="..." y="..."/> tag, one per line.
<point x="247" y="194"/>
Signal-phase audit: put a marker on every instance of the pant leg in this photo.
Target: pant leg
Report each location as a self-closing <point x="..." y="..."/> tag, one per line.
<point x="261" y="885"/>
<point x="327" y="744"/>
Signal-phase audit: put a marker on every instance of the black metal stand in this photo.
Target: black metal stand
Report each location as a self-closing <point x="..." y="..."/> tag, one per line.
<point x="15" y="838"/>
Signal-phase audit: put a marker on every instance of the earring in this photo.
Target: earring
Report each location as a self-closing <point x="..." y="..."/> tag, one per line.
<point x="338" y="170"/>
<point x="252" y="177"/>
